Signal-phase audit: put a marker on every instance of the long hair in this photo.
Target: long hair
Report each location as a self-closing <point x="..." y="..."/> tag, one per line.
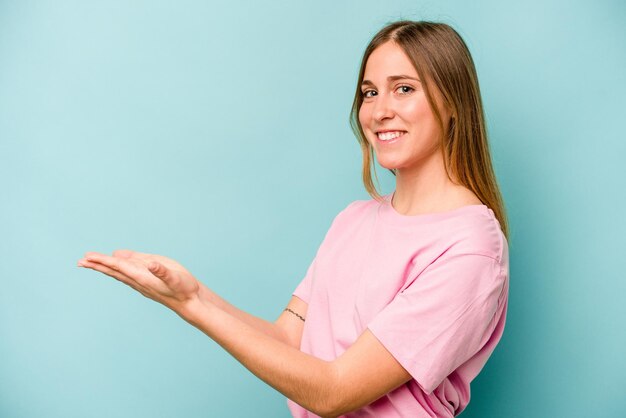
<point x="443" y="62"/>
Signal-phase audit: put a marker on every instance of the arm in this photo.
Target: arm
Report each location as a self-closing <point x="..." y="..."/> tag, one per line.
<point x="362" y="374"/>
<point x="287" y="328"/>
<point x="359" y="376"/>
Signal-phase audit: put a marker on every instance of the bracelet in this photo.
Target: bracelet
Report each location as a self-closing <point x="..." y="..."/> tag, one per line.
<point x="287" y="309"/>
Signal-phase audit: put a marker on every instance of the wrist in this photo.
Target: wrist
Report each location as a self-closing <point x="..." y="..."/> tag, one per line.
<point x="193" y="309"/>
<point x="205" y="294"/>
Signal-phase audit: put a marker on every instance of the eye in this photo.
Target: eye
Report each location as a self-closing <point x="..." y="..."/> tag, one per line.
<point x="405" y="89"/>
<point x="366" y="93"/>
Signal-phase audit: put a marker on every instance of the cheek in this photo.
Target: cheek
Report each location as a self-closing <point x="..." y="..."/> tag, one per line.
<point x="418" y="111"/>
<point x="422" y="116"/>
<point x="364" y="116"/>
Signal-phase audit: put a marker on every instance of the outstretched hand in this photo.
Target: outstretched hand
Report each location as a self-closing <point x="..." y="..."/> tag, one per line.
<point x="154" y="276"/>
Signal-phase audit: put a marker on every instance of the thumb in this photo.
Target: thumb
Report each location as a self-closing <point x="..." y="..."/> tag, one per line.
<point x="160" y="271"/>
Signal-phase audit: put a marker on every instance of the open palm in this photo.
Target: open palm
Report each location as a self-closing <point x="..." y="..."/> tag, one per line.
<point x="154" y="276"/>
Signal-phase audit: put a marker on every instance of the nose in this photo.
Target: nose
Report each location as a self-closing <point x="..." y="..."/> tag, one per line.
<point x="383" y="107"/>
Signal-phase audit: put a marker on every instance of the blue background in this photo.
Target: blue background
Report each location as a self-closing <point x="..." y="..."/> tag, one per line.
<point x="217" y="134"/>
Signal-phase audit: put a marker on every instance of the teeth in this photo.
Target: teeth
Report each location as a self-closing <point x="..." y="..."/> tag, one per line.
<point x="386" y="136"/>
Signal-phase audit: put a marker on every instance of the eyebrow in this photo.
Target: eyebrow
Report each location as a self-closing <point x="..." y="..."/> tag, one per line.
<point x="391" y="78"/>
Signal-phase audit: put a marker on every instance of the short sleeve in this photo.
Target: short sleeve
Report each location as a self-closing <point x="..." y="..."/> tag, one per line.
<point x="444" y="317"/>
<point x="303" y="290"/>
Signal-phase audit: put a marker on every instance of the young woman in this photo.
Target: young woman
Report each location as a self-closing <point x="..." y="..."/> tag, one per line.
<point x="406" y="297"/>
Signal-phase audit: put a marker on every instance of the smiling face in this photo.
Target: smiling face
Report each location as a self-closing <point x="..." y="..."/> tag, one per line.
<point x="395" y="115"/>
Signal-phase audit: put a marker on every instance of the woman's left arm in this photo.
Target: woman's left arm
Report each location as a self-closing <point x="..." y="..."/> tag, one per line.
<point x="362" y="374"/>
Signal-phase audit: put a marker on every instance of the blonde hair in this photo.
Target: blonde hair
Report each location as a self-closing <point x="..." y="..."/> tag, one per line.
<point x="441" y="57"/>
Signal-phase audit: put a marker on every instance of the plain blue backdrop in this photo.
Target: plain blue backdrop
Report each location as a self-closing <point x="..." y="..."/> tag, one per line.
<point x="217" y="133"/>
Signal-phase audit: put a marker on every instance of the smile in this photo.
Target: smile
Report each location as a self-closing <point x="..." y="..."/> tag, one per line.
<point x="389" y="136"/>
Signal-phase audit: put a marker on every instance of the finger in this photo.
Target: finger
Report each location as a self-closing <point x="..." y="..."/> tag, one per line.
<point x="109" y="272"/>
<point x="132" y="255"/>
<point x="127" y="267"/>
<point x="124" y="253"/>
<point x="111" y="262"/>
<point x="144" y="258"/>
<point x="93" y="254"/>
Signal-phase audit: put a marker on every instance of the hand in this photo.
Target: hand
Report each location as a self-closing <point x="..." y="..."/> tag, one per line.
<point x="156" y="277"/>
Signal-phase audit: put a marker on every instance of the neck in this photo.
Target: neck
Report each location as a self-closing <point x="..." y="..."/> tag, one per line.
<point x="424" y="188"/>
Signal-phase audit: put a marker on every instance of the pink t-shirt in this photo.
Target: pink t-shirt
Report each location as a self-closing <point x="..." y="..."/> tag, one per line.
<point x="432" y="288"/>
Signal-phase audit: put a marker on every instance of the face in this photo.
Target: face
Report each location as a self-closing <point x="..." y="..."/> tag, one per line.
<point x="395" y="115"/>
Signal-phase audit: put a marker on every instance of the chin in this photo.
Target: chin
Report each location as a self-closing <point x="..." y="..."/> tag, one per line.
<point x="388" y="165"/>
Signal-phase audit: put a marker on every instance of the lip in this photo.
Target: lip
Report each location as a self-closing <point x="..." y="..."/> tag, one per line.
<point x="389" y="130"/>
<point x="391" y="141"/>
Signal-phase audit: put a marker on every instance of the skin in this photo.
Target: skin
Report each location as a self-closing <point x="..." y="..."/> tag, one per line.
<point x="422" y="184"/>
<point x="362" y="374"/>
<point x="366" y="370"/>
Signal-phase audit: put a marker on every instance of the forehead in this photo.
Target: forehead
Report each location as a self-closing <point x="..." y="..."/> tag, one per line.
<point x="388" y="59"/>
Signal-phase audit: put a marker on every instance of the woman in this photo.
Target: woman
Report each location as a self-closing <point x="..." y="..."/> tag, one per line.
<point x="406" y="297"/>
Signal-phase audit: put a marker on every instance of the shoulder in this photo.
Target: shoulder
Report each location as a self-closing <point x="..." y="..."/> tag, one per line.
<point x="474" y="253"/>
<point x="477" y="232"/>
<point x="356" y="208"/>
<point x="354" y="216"/>
<point x="479" y="236"/>
<point x="357" y="211"/>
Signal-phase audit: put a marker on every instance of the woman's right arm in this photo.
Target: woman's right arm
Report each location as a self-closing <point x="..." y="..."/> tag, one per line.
<point x="362" y="374"/>
<point x="287" y="328"/>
